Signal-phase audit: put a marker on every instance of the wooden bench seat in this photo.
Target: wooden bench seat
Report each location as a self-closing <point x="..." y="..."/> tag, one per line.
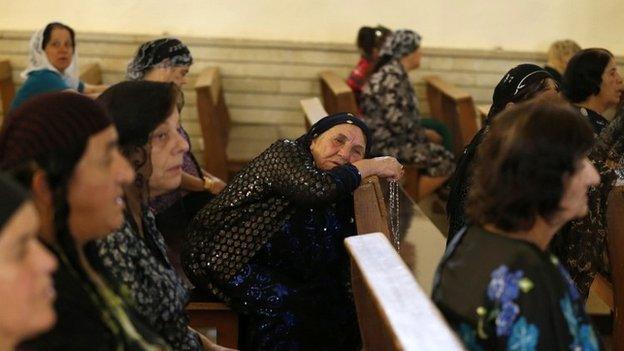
<point x="337" y="95"/>
<point x="394" y="313"/>
<point x="91" y="74"/>
<point x="453" y="107"/>
<point x="615" y="240"/>
<point x="7" y="87"/>
<point x="313" y="111"/>
<point x="206" y="311"/>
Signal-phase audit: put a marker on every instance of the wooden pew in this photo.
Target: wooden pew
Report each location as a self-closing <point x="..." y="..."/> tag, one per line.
<point x="394" y="313"/>
<point x="371" y="214"/>
<point x="455" y="108"/>
<point x="7" y="87"/>
<point x="615" y="240"/>
<point x="206" y="312"/>
<point x="337" y="95"/>
<point x="313" y="111"/>
<point x="91" y="74"/>
<point x="214" y="118"/>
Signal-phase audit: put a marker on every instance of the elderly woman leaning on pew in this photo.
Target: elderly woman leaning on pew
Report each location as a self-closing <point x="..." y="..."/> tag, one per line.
<point x="271" y="246"/>
<point x="498" y="285"/>
<point x="52" y="64"/>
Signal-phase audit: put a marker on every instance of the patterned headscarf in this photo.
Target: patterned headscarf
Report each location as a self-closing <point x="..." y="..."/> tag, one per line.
<point x="165" y="52"/>
<point x="38" y="60"/>
<point x="400" y="43"/>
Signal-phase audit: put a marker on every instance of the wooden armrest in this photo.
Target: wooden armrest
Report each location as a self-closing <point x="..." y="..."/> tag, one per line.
<point x="447" y="89"/>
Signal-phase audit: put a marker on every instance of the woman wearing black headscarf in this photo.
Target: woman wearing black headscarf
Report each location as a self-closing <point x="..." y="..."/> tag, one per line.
<point x="26" y="289"/>
<point x="521" y="83"/>
<point x="270" y="244"/>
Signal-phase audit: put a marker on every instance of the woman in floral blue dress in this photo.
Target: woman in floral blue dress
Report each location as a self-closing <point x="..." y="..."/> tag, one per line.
<point x="498" y="285"/>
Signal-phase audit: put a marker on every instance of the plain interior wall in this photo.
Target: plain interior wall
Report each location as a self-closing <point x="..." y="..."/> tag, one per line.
<point x="528" y="25"/>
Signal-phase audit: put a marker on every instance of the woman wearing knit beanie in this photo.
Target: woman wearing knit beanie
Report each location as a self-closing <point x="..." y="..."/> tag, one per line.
<point x="64" y="147"/>
<point x="26" y="289"/>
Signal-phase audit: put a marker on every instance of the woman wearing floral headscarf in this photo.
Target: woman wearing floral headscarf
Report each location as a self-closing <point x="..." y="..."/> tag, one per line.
<point x="52" y="64"/>
<point x="391" y="111"/>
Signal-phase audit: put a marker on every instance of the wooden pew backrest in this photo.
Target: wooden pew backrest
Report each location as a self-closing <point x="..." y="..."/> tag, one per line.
<point x="393" y="311"/>
<point x="91" y="74"/>
<point x="337" y="95"/>
<point x="370" y="210"/>
<point x="7" y="87"/>
<point x="455" y="108"/>
<point x="313" y="111"/>
<point x="214" y="119"/>
<point x="615" y="242"/>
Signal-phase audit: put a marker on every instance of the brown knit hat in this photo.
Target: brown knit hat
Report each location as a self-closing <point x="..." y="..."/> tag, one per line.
<point x="49" y="124"/>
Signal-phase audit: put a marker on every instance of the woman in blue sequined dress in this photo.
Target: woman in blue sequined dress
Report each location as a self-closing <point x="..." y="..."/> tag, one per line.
<point x="271" y="246"/>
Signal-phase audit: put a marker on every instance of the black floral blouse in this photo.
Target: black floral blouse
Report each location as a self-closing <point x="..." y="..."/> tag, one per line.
<point x="582" y="245"/>
<point x="391" y="112"/>
<point x="500" y="293"/>
<point x="141" y="265"/>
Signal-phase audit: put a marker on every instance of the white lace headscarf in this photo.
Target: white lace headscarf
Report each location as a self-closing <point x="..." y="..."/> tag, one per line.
<point x="38" y="60"/>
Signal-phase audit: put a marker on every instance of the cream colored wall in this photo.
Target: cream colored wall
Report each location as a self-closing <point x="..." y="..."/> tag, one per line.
<point x="527" y="25"/>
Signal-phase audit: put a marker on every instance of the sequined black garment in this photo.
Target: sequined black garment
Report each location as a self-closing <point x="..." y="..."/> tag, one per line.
<point x="258" y="247"/>
<point x="582" y="245"/>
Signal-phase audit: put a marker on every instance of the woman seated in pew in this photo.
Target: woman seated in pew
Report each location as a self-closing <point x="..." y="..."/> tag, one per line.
<point x="391" y="110"/>
<point x="593" y="84"/>
<point x="498" y="285"/>
<point x="147" y="118"/>
<point x="559" y="54"/>
<point x="521" y="83"/>
<point x="64" y="147"/>
<point x="26" y="267"/>
<point x="169" y="60"/>
<point x="369" y="42"/>
<point x="52" y="65"/>
<point x="271" y="244"/>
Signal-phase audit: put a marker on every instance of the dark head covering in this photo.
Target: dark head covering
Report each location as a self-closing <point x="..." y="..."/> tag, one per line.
<point x="154" y="52"/>
<point x="138" y="107"/>
<point x="48" y="124"/>
<point x="330" y="121"/>
<point x="12" y="195"/>
<point x="400" y="43"/>
<point x="513" y="84"/>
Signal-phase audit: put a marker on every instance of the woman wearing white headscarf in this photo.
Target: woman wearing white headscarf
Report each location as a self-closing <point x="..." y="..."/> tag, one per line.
<point x="52" y="64"/>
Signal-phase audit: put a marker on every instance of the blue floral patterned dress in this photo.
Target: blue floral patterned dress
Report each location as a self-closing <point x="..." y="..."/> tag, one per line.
<point x="500" y="293"/>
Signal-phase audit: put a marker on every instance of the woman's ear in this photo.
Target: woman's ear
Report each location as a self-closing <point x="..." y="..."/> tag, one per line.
<point x="40" y="188"/>
<point x="509" y="104"/>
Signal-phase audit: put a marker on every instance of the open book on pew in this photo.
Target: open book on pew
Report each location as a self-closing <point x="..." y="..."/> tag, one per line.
<point x="394" y="313"/>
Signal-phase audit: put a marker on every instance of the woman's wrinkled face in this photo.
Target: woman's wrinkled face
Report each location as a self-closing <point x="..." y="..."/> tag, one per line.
<point x="26" y="288"/>
<point x="95" y="191"/>
<point x="611" y="86"/>
<point x="167" y="150"/>
<point x="60" y="49"/>
<point x="339" y="145"/>
<point x="573" y="203"/>
<point x="169" y="74"/>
